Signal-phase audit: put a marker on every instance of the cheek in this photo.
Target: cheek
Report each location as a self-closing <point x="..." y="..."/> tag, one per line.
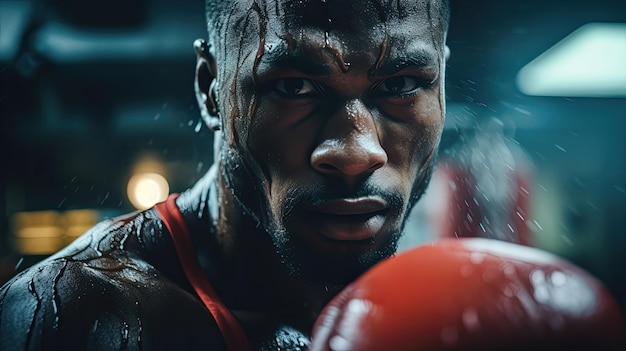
<point x="281" y="146"/>
<point x="411" y="143"/>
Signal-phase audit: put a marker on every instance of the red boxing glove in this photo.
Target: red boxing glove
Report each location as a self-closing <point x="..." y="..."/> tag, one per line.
<point x="472" y="294"/>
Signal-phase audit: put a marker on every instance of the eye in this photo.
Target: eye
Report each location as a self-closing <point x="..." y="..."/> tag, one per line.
<point x="296" y="87"/>
<point x="401" y="85"/>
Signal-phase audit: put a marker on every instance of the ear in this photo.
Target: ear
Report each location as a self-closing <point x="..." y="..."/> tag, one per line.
<point x="206" y="84"/>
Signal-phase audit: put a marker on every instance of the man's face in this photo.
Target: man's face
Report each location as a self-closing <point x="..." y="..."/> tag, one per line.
<point x="333" y="111"/>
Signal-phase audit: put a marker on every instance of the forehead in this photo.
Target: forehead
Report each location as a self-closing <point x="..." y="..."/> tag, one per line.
<point x="302" y="27"/>
<point x="349" y="15"/>
<point x="352" y="17"/>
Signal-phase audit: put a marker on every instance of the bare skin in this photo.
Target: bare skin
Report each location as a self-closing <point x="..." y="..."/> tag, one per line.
<point x="327" y="135"/>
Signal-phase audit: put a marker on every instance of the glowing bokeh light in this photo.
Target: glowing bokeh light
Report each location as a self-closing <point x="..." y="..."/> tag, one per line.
<point x="146" y="189"/>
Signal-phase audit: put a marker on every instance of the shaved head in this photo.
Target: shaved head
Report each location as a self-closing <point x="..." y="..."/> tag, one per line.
<point x="220" y="11"/>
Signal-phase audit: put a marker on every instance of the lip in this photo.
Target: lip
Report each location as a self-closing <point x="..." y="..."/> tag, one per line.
<point x="350" y="219"/>
<point x="348" y="207"/>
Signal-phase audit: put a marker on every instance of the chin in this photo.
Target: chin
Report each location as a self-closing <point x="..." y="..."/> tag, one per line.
<point x="334" y="263"/>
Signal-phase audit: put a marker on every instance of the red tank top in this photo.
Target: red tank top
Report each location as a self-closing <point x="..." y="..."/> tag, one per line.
<point x="234" y="337"/>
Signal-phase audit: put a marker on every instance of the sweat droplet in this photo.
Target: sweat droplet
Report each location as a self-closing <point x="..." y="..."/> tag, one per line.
<point x="338" y="343"/>
<point x="470" y="319"/>
<point x="125" y="332"/>
<point x="558" y="278"/>
<point x="55" y="295"/>
<point x="477" y="257"/>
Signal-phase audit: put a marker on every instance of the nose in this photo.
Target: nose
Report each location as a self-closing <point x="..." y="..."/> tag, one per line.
<point x="350" y="146"/>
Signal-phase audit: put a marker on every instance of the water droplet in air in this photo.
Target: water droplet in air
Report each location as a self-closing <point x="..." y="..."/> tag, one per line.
<point x="19" y="263"/>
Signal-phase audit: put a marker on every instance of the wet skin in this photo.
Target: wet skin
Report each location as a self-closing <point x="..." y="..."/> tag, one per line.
<point x="117" y="287"/>
<point x="328" y="134"/>
<point x="337" y="126"/>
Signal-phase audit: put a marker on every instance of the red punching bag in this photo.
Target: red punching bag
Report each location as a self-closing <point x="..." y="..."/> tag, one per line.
<point x="485" y="185"/>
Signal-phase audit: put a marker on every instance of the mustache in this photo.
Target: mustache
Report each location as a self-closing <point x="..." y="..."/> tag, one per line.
<point x="314" y="194"/>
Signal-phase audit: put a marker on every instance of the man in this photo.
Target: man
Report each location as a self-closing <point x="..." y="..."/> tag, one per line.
<point x="328" y="116"/>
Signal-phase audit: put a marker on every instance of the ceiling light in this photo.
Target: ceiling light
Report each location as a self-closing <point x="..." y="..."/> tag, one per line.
<point x="590" y="62"/>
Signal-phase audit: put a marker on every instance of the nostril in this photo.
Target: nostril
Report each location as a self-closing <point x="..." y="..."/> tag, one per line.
<point x="377" y="166"/>
<point x="326" y="166"/>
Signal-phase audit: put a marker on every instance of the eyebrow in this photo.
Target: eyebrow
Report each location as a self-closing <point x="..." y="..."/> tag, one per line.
<point x="277" y="59"/>
<point x="302" y="64"/>
<point x="420" y="59"/>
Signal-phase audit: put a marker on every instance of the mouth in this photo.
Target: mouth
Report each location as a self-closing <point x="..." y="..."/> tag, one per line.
<point x="350" y="219"/>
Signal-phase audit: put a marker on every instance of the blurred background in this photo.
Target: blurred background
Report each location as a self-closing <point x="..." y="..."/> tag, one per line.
<point x="98" y="119"/>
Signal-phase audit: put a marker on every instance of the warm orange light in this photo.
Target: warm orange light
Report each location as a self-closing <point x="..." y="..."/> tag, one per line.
<point x="37" y="232"/>
<point x="146" y="189"/>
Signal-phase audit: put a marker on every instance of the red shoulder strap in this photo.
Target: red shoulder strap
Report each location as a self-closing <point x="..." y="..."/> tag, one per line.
<point x="233" y="334"/>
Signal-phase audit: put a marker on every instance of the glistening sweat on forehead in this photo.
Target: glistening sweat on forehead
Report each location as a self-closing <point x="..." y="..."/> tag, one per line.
<point x="326" y="14"/>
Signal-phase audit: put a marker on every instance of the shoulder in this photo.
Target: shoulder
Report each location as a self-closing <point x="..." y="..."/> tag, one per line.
<point x="100" y="293"/>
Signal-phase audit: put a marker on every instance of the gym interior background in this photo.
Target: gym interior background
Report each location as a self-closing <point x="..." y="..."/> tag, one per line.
<point x="95" y="94"/>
